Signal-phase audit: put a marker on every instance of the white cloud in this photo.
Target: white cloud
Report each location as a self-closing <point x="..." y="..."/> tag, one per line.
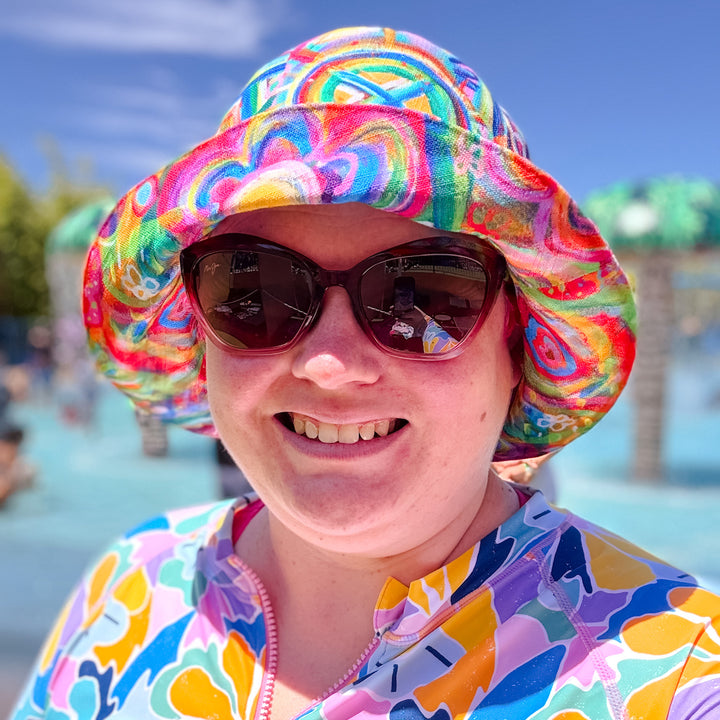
<point x="134" y="161"/>
<point x="162" y="112"/>
<point x="216" y="28"/>
<point x="139" y="159"/>
<point x="129" y="131"/>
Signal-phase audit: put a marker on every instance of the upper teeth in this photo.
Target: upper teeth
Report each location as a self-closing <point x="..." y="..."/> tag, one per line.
<point x="332" y="433"/>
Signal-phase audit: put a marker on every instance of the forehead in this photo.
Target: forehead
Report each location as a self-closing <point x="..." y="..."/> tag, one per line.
<point x="335" y="236"/>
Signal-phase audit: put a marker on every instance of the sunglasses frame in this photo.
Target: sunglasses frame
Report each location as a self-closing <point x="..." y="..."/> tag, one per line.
<point x="492" y="261"/>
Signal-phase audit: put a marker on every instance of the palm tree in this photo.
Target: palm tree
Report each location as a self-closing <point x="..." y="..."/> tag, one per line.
<point x="655" y="224"/>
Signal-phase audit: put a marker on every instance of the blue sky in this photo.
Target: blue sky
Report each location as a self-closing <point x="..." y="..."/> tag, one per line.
<point x="619" y="89"/>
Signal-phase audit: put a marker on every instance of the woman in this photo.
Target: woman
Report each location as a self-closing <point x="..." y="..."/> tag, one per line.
<point x="366" y="290"/>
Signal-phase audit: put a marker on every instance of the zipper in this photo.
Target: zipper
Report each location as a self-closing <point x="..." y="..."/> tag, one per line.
<point x="267" y="686"/>
<point x="350" y="674"/>
<point x="268" y="682"/>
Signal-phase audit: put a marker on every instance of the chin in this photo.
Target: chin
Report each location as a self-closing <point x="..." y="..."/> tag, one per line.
<point x="339" y="512"/>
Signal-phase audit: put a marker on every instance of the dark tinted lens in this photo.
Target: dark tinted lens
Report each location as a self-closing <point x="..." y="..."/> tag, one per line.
<point x="253" y="300"/>
<point x="424" y="303"/>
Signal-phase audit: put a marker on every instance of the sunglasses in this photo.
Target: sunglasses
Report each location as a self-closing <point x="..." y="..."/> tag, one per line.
<point x="422" y="300"/>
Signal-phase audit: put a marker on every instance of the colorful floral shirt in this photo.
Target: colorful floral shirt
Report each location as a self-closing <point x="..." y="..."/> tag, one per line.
<point x="548" y="617"/>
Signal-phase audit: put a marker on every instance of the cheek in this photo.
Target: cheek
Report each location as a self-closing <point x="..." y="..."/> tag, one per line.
<point x="469" y="401"/>
<point x="219" y="377"/>
<point x="484" y="386"/>
<point x="230" y="394"/>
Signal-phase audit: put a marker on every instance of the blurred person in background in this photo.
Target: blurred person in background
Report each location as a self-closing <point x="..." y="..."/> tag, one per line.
<point x="41" y="363"/>
<point x="15" y="472"/>
<point x="364" y="287"/>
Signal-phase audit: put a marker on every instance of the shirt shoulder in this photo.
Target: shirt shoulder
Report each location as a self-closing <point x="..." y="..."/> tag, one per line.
<point x="143" y="586"/>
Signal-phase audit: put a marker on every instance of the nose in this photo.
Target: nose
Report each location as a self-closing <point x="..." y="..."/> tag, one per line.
<point x="336" y="351"/>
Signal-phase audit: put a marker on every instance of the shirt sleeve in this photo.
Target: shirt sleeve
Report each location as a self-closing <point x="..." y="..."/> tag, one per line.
<point x="91" y="615"/>
<point x="84" y="605"/>
<point x="698" y="691"/>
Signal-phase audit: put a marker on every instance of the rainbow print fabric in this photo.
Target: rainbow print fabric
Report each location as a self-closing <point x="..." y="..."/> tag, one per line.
<point x="549" y="617"/>
<point x="387" y="119"/>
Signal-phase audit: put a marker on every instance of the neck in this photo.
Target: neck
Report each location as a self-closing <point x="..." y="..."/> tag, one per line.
<point x="299" y="575"/>
<point x="285" y="561"/>
<point x="324" y="600"/>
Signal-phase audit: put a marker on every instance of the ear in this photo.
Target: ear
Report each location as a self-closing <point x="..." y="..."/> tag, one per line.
<point x="514" y="332"/>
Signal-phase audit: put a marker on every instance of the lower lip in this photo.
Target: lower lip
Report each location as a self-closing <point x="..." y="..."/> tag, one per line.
<point x="340" y="451"/>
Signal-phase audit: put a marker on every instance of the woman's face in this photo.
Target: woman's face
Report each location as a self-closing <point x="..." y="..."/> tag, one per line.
<point x="376" y="497"/>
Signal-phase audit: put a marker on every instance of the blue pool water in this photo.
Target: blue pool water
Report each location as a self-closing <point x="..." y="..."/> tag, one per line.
<point x="679" y="520"/>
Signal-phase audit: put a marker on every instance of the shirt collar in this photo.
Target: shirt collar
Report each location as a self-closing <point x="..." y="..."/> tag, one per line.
<point x="407" y="610"/>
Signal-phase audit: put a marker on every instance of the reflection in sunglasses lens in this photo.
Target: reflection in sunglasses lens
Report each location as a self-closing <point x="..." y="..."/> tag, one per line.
<point x="423" y="304"/>
<point x="254" y="300"/>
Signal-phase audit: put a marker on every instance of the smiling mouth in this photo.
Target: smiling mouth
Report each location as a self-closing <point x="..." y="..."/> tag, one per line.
<point x="347" y="434"/>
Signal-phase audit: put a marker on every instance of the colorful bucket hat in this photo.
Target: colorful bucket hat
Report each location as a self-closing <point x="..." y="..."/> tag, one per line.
<point x="388" y="119"/>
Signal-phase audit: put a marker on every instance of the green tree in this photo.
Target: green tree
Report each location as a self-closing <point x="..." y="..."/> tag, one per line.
<point x="23" y="290"/>
<point x="25" y="223"/>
